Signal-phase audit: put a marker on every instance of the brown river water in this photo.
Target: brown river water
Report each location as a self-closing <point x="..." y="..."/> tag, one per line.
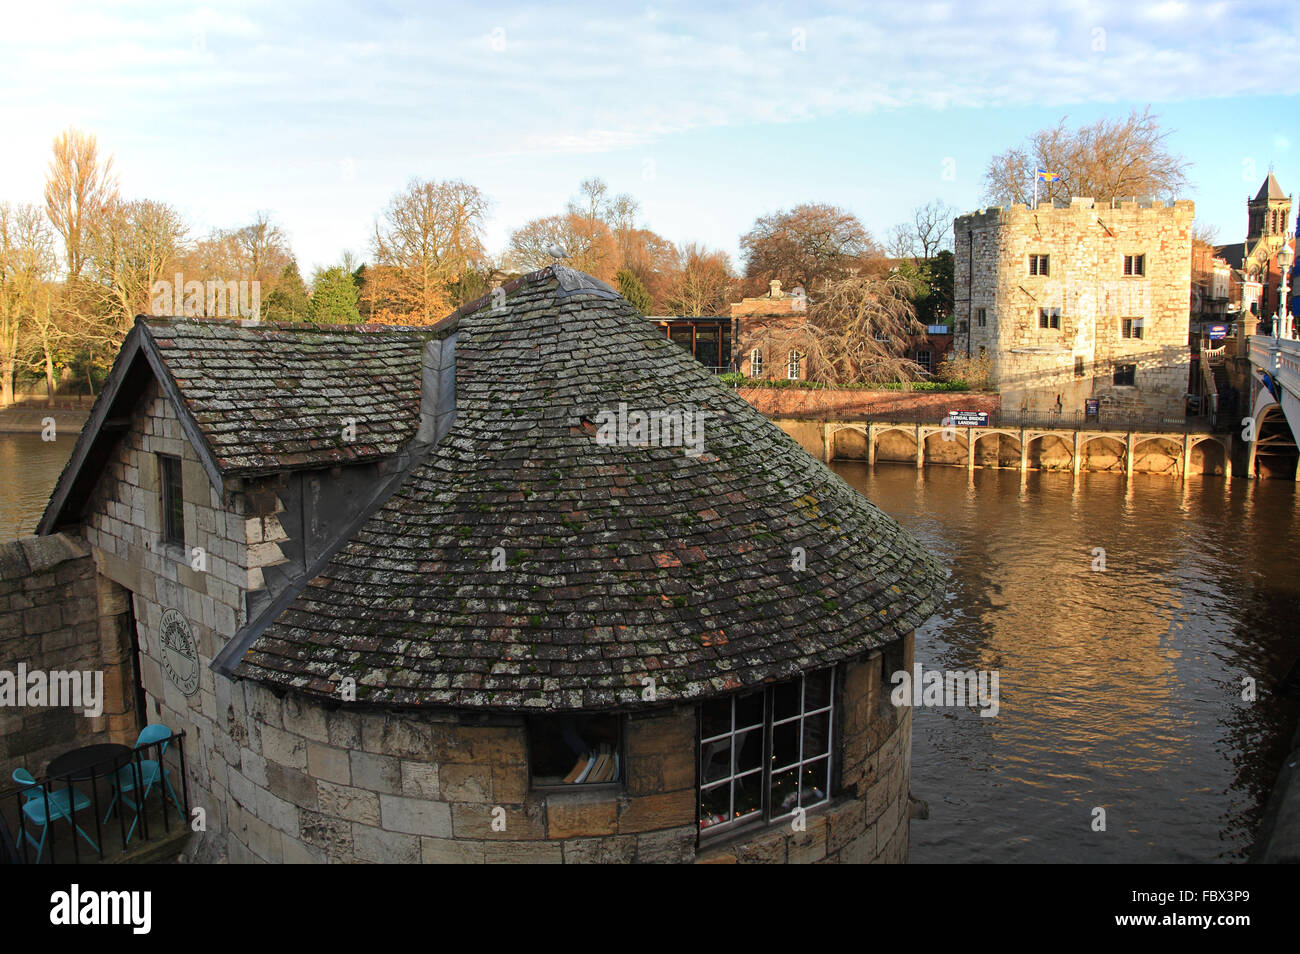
<point x="1119" y="688"/>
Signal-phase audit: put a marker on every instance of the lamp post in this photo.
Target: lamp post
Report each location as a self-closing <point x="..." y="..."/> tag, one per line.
<point x="1284" y="257"/>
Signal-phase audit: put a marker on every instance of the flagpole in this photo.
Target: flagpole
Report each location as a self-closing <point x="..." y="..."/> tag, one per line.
<point x="1035" y="191"/>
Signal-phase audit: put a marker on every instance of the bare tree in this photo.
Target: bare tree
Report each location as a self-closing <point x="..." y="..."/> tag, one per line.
<point x="428" y="237"/>
<point x="1106" y="160"/>
<point x="809" y="245"/>
<point x="925" y="234"/>
<point x="856" y="332"/>
<point x="26" y="264"/>
<point x="590" y="245"/>
<point x="702" y="284"/>
<point x="138" y="243"/>
<point x="77" y="188"/>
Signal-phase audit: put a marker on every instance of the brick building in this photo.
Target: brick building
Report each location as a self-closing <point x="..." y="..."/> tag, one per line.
<point x="754" y="319"/>
<point x="1077" y="303"/>
<point x="408" y="605"/>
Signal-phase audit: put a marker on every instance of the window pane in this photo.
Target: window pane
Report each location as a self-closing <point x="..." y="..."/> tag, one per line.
<point x="749" y="795"/>
<point x="785" y="791"/>
<point x="715" y="718"/>
<point x="785" y="700"/>
<point x="817" y="690"/>
<point x="815" y="784"/>
<point x="715" y="760"/>
<point x="715" y="805"/>
<point x="785" y="744"/>
<point x="749" y="750"/>
<point x="749" y="710"/>
<point x="816" y="735"/>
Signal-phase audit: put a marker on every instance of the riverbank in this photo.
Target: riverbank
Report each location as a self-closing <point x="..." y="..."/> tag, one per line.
<point x="32" y="420"/>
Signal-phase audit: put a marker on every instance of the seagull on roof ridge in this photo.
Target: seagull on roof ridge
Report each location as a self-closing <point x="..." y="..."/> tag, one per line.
<point x="556" y="251"/>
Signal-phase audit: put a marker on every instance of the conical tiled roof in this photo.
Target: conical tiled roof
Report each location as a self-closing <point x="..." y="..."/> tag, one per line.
<point x="616" y="563"/>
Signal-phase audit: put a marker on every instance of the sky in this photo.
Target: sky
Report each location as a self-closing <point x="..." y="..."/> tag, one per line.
<point x="709" y="114"/>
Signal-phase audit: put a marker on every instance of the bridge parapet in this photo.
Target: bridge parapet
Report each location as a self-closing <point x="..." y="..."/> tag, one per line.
<point x="1280" y="357"/>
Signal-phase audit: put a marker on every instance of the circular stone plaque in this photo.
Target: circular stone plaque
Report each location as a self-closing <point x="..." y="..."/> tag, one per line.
<point x="180" y="657"/>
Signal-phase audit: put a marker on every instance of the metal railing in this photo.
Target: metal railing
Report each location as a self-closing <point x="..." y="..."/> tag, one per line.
<point x="59" y="803"/>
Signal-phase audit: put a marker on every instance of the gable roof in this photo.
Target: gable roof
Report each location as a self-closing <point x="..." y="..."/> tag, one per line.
<point x="275" y="397"/>
<point x="614" y="562"/>
<point x="256" y="398"/>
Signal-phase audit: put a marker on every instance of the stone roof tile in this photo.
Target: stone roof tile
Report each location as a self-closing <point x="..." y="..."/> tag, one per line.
<point x="620" y="562"/>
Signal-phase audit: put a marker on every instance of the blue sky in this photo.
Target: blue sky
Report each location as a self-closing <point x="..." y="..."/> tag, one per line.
<point x="709" y="113"/>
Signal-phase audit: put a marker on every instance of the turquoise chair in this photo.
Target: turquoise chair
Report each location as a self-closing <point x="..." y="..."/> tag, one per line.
<point x="151" y="772"/>
<point x="35" y="800"/>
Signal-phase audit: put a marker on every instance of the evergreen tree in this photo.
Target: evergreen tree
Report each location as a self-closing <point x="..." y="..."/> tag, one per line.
<point x="631" y="288"/>
<point x="333" y="298"/>
<point x="288" y="299"/>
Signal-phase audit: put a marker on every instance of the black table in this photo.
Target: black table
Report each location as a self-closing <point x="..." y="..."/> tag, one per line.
<point x="89" y="761"/>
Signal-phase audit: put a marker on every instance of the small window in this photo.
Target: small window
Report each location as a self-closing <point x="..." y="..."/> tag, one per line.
<point x="173" y="499"/>
<point x="756" y="363"/>
<point x="1078" y="365"/>
<point x="767" y="753"/>
<point x="1125" y="375"/>
<point x="963" y="327"/>
<point x="1038" y="265"/>
<point x="924" y="359"/>
<point x="1049" y="318"/>
<point x="792" y="365"/>
<point x="568" y="751"/>
<point x="1130" y="327"/>
<point x="1135" y="264"/>
<point x="981" y="317"/>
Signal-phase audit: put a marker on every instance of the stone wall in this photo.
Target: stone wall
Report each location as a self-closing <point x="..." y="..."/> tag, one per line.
<point x="1086" y="245"/>
<point x="829" y="404"/>
<point x="55" y="614"/>
<point x="308" y="782"/>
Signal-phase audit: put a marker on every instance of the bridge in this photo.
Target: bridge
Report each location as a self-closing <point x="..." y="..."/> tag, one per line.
<point x="1213" y="451"/>
<point x="1275" y="405"/>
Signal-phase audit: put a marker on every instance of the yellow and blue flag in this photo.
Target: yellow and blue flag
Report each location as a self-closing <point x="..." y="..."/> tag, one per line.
<point x="1048" y="176"/>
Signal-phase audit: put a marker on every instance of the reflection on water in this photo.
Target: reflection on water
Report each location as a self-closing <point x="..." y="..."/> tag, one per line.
<point x="29" y="467"/>
<point x="1119" y="689"/>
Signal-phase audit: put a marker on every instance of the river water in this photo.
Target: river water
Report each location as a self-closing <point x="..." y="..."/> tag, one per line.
<point x="29" y="467"/>
<point x="1120" y="688"/>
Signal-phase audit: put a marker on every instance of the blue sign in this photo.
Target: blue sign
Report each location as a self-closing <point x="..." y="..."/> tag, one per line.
<point x="1218" y="331"/>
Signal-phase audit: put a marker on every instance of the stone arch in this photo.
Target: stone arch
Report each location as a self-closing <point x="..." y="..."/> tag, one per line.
<point x="896" y="444"/>
<point x="1103" y="452"/>
<point x="941" y="451"/>
<point x="1165" y="458"/>
<point x="846" y="442"/>
<point x="1049" y="450"/>
<point x="1274" y="451"/>
<point x="1208" y="456"/>
<point x="1003" y="450"/>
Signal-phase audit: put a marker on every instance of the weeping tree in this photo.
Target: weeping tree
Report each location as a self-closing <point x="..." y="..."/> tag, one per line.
<point x="856" y="333"/>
